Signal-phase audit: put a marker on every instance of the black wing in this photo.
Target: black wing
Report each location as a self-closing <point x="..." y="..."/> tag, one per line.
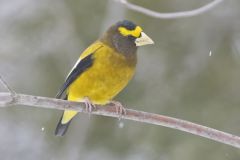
<point x="84" y="64"/>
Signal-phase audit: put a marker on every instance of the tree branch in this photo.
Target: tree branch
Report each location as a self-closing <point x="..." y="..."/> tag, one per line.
<point x="173" y="15"/>
<point x="6" y="100"/>
<point x="5" y="85"/>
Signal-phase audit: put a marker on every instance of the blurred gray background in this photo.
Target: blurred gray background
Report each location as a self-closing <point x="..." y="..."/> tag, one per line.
<point x="41" y="41"/>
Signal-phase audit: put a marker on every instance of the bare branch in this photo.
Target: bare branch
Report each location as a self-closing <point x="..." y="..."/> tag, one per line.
<point x="4" y="83"/>
<point x="173" y="15"/>
<point x="110" y="111"/>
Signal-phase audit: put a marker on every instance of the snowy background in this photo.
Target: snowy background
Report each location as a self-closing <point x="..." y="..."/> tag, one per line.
<point x="41" y="40"/>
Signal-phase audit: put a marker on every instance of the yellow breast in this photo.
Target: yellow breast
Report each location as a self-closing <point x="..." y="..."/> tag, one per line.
<point x="109" y="74"/>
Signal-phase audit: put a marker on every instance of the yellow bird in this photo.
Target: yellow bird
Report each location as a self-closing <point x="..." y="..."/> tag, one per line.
<point x="103" y="69"/>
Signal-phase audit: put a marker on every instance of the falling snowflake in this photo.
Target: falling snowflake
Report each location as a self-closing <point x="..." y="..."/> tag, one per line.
<point x="210" y="53"/>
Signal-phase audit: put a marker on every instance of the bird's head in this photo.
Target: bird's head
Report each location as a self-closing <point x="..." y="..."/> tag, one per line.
<point x="125" y="37"/>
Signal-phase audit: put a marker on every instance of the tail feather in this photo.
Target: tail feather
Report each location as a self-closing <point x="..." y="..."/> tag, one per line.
<point x="61" y="129"/>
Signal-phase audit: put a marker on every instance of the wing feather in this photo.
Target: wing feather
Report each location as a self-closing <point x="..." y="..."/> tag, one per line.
<point x="85" y="61"/>
<point x="79" y="68"/>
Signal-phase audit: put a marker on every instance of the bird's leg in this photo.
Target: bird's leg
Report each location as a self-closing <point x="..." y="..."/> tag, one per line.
<point x="119" y="109"/>
<point x="89" y="105"/>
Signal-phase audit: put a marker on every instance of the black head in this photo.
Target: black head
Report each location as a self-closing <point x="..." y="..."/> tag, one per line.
<point x="126" y="24"/>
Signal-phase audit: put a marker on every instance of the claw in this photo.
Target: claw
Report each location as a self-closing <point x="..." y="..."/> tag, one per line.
<point x="89" y="105"/>
<point x="120" y="110"/>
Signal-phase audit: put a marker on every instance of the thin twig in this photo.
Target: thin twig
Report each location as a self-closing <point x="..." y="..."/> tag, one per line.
<point x="173" y="15"/>
<point x="110" y="111"/>
<point x="4" y="83"/>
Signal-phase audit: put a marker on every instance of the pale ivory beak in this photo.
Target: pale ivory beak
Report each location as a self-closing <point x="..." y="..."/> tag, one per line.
<point x="143" y="40"/>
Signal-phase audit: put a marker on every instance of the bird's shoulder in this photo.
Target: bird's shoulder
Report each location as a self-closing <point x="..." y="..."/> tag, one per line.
<point x="100" y="50"/>
<point x="93" y="48"/>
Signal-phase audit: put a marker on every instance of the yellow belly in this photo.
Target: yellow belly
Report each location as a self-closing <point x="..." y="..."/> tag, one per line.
<point x="108" y="75"/>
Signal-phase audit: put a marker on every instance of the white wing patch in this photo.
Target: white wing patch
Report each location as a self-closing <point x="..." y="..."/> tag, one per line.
<point x="74" y="67"/>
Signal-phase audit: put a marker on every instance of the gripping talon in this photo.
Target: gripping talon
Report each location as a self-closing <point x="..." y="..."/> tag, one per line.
<point x="89" y="105"/>
<point x="120" y="110"/>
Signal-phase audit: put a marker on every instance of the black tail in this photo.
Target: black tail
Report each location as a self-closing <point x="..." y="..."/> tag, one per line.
<point x="62" y="128"/>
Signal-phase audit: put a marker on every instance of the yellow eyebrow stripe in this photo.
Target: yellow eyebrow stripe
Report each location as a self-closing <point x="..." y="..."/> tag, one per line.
<point x="135" y="33"/>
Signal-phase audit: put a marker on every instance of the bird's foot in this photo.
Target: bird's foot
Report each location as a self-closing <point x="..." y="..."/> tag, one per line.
<point x="119" y="109"/>
<point x="89" y="105"/>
